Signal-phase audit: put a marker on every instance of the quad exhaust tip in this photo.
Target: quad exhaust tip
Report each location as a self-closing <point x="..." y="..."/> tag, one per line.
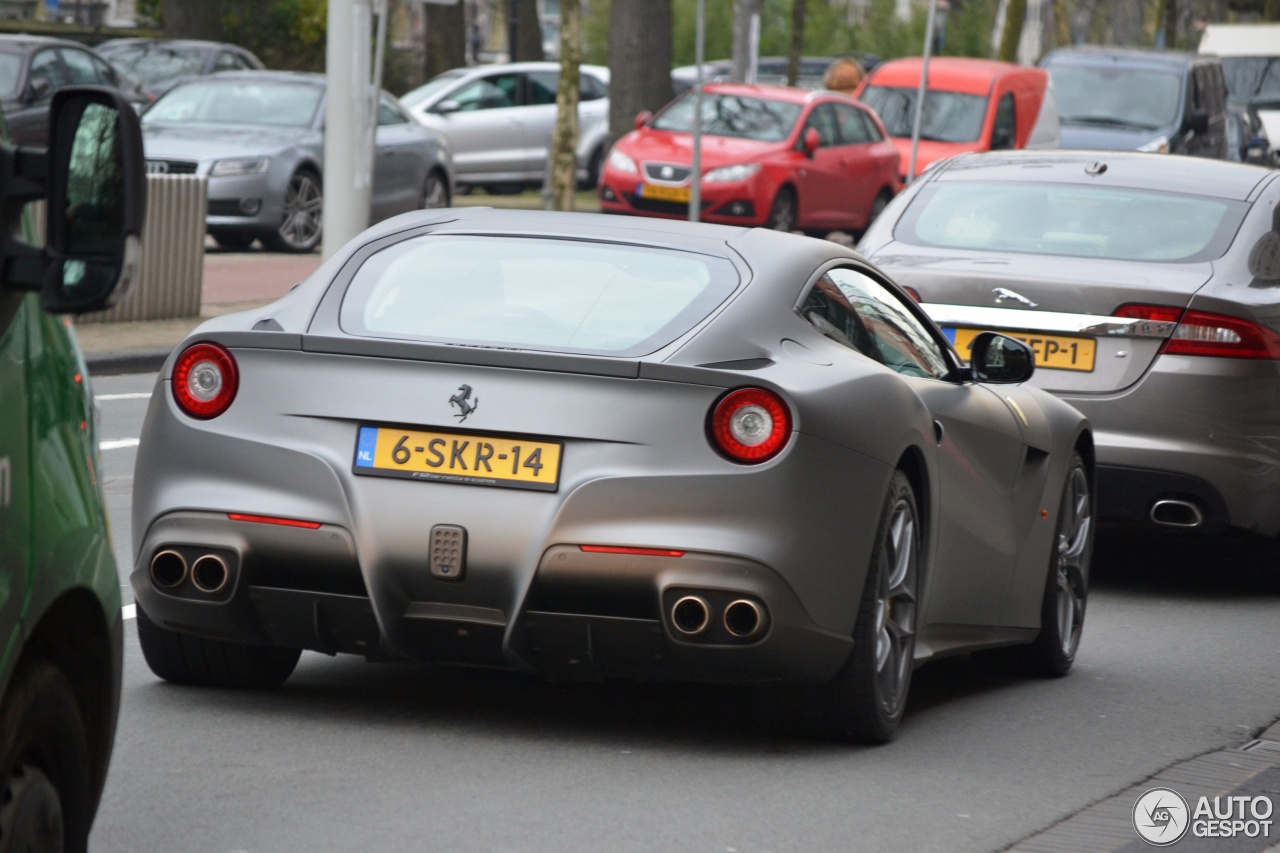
<point x="1175" y="513"/>
<point x="210" y="574"/>
<point x="743" y="618"/>
<point x="691" y="615"/>
<point x="168" y="569"/>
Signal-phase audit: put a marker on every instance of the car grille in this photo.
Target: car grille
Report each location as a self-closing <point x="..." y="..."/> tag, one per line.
<point x="171" y="167"/>
<point x="668" y="172"/>
<point x="648" y="205"/>
<point x="225" y="207"/>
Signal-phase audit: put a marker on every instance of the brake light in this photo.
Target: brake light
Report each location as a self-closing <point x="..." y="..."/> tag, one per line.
<point x="642" y="552"/>
<point x="1207" y="334"/>
<point x="913" y="293"/>
<point x="750" y="425"/>
<point x="205" y="380"/>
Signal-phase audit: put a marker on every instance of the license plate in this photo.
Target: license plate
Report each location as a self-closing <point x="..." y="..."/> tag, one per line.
<point x="451" y="457"/>
<point x="1055" y="352"/>
<point x="657" y="193"/>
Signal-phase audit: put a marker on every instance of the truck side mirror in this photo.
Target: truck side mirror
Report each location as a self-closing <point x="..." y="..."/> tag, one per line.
<point x="1198" y="122"/>
<point x="93" y="181"/>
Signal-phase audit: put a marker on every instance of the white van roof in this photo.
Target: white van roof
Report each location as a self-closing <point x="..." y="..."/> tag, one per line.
<point x="1241" y="39"/>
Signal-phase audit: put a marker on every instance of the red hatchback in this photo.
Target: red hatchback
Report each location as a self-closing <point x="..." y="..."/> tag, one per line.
<point x="784" y="158"/>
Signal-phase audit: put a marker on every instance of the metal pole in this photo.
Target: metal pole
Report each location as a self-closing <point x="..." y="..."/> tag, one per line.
<point x="924" y="85"/>
<point x="375" y="91"/>
<point x="695" y="192"/>
<point x="346" y="183"/>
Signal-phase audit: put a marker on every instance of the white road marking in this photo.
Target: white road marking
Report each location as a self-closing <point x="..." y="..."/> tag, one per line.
<point x="129" y="611"/>
<point x="136" y="395"/>
<point x="117" y="443"/>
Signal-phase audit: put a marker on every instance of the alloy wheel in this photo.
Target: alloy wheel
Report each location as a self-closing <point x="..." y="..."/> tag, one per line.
<point x="895" y="608"/>
<point x="1075" y="527"/>
<point x="303" y="208"/>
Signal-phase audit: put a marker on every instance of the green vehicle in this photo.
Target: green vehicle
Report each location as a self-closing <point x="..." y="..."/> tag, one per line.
<point x="60" y="621"/>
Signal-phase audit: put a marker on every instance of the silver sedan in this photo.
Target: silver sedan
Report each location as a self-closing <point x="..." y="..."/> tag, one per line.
<point x="259" y="138"/>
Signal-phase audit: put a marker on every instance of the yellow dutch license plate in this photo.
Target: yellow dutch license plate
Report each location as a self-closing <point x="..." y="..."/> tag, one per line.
<point x="1056" y="352"/>
<point x="450" y="457"/>
<point x="658" y="193"/>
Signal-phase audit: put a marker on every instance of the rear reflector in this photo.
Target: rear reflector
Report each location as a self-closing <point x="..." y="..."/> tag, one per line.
<point x="641" y="552"/>
<point x="1205" y="334"/>
<point x="271" y="519"/>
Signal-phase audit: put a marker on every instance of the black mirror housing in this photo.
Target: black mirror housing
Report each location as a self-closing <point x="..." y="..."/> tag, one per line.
<point x="93" y="181"/>
<point x="1198" y="122"/>
<point x="1000" y="359"/>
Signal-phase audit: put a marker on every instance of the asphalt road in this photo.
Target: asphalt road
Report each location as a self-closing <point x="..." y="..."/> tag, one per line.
<point x="1178" y="658"/>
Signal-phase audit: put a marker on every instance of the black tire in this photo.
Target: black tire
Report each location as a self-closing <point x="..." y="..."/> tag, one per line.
<point x="435" y="192"/>
<point x="595" y="168"/>
<point x="233" y="241"/>
<point x="44" y="753"/>
<point x="1066" y="591"/>
<point x="303" y="217"/>
<point x="182" y="659"/>
<point x="784" y="212"/>
<point x="878" y="204"/>
<point x="504" y="189"/>
<point x="856" y="705"/>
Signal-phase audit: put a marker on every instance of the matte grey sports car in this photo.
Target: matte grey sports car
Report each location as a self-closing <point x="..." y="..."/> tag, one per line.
<point x="589" y="448"/>
<point x="1149" y="286"/>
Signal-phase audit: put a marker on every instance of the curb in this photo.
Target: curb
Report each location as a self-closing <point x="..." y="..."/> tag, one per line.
<point x="134" y="361"/>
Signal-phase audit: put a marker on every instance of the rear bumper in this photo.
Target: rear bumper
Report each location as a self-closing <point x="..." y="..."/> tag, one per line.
<point x="583" y="616"/>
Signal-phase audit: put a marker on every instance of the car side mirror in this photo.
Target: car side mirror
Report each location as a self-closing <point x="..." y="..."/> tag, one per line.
<point x="642" y="119"/>
<point x="444" y="108"/>
<point x="93" y="181"/>
<point x="811" y="141"/>
<point x="37" y="91"/>
<point x="1000" y="359"/>
<point x="1198" y="122"/>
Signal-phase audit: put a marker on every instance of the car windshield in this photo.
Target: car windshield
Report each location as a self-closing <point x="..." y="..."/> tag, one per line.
<point x="732" y="115"/>
<point x="1253" y="79"/>
<point x="428" y="90"/>
<point x="248" y="101"/>
<point x="155" y="63"/>
<point x="948" y="116"/>
<point x="10" y="72"/>
<point x="1071" y="220"/>
<point x="552" y="295"/>
<point x="1117" y="96"/>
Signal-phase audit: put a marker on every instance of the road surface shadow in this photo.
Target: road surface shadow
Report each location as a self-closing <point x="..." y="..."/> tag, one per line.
<point x="1184" y="566"/>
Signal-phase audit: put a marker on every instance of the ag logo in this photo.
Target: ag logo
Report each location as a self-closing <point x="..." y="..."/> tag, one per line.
<point x="1161" y="816"/>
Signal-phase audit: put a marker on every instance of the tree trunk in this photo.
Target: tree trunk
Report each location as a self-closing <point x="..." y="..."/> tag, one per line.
<point x="1015" y="17"/>
<point x="744" y="11"/>
<point x="1170" y="13"/>
<point x="564" y="143"/>
<point x="799" y="8"/>
<point x="639" y="60"/>
<point x="445" y="44"/>
<point x="193" y="19"/>
<point x="525" y="43"/>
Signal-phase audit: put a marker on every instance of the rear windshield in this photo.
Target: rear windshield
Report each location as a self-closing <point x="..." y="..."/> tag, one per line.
<point x="947" y="116"/>
<point x="1076" y="221"/>
<point x="527" y="293"/>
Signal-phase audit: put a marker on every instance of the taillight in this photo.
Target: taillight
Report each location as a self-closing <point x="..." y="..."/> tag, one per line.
<point x="913" y="293"/>
<point x="750" y="425"/>
<point x="205" y="380"/>
<point x="1203" y="333"/>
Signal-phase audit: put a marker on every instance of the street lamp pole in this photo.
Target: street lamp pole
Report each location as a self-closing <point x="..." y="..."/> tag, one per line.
<point x="924" y="85"/>
<point x="695" y="190"/>
<point x="347" y="154"/>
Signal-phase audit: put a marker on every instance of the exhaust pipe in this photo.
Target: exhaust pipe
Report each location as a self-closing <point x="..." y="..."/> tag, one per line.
<point x="210" y="574"/>
<point x="168" y="569"/>
<point x="743" y="618"/>
<point x="1173" y="513"/>
<point x="691" y="615"/>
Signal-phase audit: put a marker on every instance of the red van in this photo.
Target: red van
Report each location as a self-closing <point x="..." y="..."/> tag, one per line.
<point x="971" y="105"/>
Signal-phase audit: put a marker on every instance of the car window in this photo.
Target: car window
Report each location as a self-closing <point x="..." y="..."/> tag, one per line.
<point x="1004" y="131"/>
<point x="903" y="343"/>
<point x="389" y="113"/>
<point x="853" y="126"/>
<point x="80" y="68"/>
<point x="10" y="72"/>
<point x="1116" y="223"/>
<point x="45" y="66"/>
<point x="104" y="70"/>
<point x="228" y="61"/>
<point x="823" y="120"/>
<point x="543" y="86"/>
<point x="527" y="293"/>
<point x="495" y="92"/>
<point x="427" y="90"/>
<point x="590" y="88"/>
<point x="830" y="312"/>
<point x="873" y="130"/>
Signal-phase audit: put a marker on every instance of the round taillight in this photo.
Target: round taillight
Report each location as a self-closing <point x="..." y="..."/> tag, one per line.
<point x="750" y="425"/>
<point x="205" y="380"/>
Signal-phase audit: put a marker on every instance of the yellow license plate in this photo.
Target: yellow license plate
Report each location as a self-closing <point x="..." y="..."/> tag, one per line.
<point x="1056" y="352"/>
<point x="657" y="193"/>
<point x="451" y="457"/>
